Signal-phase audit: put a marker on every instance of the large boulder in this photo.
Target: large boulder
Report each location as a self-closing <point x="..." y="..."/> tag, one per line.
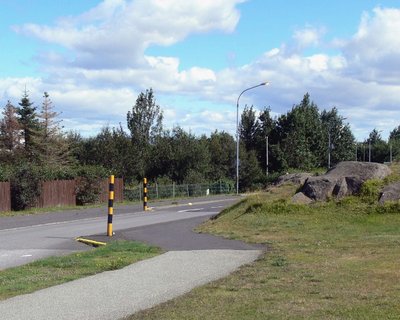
<point x="390" y="192"/>
<point x="293" y="178"/>
<point x="342" y="180"/>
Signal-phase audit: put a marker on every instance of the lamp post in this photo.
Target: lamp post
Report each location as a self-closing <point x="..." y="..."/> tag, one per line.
<point x="237" y="131"/>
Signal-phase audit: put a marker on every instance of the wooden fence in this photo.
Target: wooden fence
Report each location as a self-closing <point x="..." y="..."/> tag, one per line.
<point x="59" y="193"/>
<point x="5" y="196"/>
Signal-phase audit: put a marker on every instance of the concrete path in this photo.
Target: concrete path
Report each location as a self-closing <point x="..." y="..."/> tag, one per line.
<point x="116" y="294"/>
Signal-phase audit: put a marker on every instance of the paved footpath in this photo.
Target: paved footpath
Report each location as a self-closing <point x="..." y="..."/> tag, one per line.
<point x="116" y="294"/>
<point x="194" y="260"/>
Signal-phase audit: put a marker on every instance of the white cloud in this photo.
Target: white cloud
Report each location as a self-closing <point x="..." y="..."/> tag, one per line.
<point x="106" y="65"/>
<point x="308" y="36"/>
<point x="374" y="51"/>
<point x="116" y="33"/>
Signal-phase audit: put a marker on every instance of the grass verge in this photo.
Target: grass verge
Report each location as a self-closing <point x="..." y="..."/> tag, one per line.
<point x="56" y="270"/>
<point x="337" y="260"/>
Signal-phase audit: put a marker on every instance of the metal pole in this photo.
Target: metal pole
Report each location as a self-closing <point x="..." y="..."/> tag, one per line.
<point x="237" y="132"/>
<point x="266" y="157"/>
<point x="369" y="150"/>
<point x="329" y="149"/>
<point x="237" y="145"/>
<point x="145" y="208"/>
<point x="110" y="207"/>
<point x="356" y="151"/>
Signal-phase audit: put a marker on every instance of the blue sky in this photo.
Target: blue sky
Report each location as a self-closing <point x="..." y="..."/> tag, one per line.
<point x="95" y="57"/>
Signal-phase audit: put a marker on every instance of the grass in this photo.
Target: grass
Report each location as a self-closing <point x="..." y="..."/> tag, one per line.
<point x="56" y="270"/>
<point x="335" y="260"/>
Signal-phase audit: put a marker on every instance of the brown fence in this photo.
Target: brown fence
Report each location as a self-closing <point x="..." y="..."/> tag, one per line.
<point x="5" y="196"/>
<point x="57" y="193"/>
<point x="61" y="193"/>
<point x="118" y="190"/>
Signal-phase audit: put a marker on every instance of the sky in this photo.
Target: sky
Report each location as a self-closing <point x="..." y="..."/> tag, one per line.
<point x="94" y="58"/>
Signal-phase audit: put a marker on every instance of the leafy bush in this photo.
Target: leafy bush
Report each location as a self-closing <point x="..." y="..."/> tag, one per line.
<point x="371" y="189"/>
<point x="25" y="186"/>
<point x="88" y="187"/>
<point x="5" y="173"/>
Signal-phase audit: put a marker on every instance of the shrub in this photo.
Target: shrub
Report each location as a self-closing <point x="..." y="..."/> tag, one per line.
<point x="371" y="189"/>
<point x="88" y="187"/>
<point x="25" y="186"/>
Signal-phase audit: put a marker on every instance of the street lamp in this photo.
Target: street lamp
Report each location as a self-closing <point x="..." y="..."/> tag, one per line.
<point x="237" y="131"/>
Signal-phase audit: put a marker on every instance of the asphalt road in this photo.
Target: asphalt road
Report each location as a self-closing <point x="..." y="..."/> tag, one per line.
<point x="27" y="238"/>
<point x="192" y="260"/>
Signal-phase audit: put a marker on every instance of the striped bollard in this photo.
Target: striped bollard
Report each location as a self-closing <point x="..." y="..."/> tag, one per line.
<point x="145" y="194"/>
<point x="110" y="207"/>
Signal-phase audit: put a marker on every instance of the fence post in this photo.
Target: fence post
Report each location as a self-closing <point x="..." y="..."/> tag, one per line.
<point x="144" y="194"/>
<point x="110" y="206"/>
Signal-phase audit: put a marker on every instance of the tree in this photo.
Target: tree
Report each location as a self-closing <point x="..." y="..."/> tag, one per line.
<point x="248" y="128"/>
<point x="53" y="147"/>
<point x="342" y="142"/>
<point x="394" y="142"/>
<point x="266" y="131"/>
<point x="144" y="124"/>
<point x="29" y="123"/>
<point x="300" y="135"/>
<point x="377" y="147"/>
<point x="10" y="129"/>
<point x="222" y="149"/>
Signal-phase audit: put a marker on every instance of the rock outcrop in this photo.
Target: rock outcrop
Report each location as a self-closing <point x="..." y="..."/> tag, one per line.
<point x="344" y="179"/>
<point x="390" y="192"/>
<point x="293" y="178"/>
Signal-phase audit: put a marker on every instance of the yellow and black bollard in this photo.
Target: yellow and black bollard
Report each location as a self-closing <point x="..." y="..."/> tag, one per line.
<point x="145" y="194"/>
<point x="110" y="207"/>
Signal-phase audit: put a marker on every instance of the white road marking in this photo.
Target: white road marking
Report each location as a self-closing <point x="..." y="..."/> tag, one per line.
<point x="191" y="210"/>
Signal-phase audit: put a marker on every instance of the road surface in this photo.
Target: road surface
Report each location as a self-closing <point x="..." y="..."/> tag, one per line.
<point x="27" y="238"/>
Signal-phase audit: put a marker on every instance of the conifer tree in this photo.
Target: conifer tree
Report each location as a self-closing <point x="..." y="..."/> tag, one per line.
<point x="53" y="146"/>
<point x="10" y="129"/>
<point x="29" y="123"/>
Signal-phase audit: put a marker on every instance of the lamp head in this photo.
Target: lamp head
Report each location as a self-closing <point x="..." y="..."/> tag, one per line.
<point x="266" y="83"/>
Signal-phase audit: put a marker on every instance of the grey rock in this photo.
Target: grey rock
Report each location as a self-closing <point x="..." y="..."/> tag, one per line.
<point x="293" y="178"/>
<point x="390" y="192"/>
<point x="346" y="178"/>
<point x="301" y="198"/>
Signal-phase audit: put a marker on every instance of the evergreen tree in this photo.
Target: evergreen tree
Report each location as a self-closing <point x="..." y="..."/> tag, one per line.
<point x="394" y="143"/>
<point x="29" y="123"/>
<point x="10" y="129"/>
<point x="53" y="147"/>
<point x="266" y="133"/>
<point x="377" y="147"/>
<point x="248" y="128"/>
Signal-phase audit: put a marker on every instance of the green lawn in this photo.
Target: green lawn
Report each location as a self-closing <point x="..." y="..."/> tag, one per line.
<point x="56" y="270"/>
<point x="324" y="261"/>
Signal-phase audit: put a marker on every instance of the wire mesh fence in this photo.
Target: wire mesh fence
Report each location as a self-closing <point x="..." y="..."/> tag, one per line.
<point x="158" y="191"/>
